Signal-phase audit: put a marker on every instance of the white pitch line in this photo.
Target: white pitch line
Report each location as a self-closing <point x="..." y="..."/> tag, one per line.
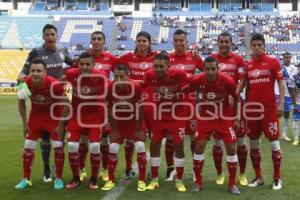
<point x="122" y="184"/>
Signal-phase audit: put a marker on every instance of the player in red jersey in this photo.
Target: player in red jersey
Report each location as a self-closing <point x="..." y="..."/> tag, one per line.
<point x="125" y="118"/>
<point x="164" y="114"/>
<point x="104" y="62"/>
<point x="138" y="63"/>
<point x="188" y="62"/>
<point x="47" y="96"/>
<point x="217" y="116"/>
<point x="232" y="65"/>
<point x="88" y="115"/>
<point x="262" y="111"/>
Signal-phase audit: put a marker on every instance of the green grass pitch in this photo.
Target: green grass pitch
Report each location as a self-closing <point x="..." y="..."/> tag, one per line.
<point x="11" y="149"/>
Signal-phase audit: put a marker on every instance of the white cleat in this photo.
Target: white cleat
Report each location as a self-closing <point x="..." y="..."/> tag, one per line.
<point x="256" y="182"/>
<point x="286" y="138"/>
<point x="171" y="175"/>
<point x="277" y="185"/>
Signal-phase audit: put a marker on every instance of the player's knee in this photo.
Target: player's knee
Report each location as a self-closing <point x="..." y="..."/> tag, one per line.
<point x="241" y="141"/>
<point x="275" y="146"/>
<point x="255" y="144"/>
<point x="57" y="144"/>
<point x="218" y="142"/>
<point x="105" y="140"/>
<point x="73" y="147"/>
<point x="95" y="147"/>
<point x="114" y="148"/>
<point x="30" y="144"/>
<point x="140" y="147"/>
<point x="295" y="124"/>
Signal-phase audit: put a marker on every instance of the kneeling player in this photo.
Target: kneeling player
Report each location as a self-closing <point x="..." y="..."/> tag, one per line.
<point x="216" y="117"/>
<point x="45" y="93"/>
<point x="125" y="118"/>
<point x="88" y="106"/>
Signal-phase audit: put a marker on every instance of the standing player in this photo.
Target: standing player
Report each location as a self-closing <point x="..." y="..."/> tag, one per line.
<point x="294" y="87"/>
<point x="45" y="93"/>
<point x="138" y="62"/>
<point x="289" y="71"/>
<point x="262" y="71"/>
<point x="126" y="119"/>
<point x="188" y="62"/>
<point x="216" y="117"/>
<point x="104" y="62"/>
<point x="56" y="58"/>
<point x="163" y="86"/>
<point x="88" y="108"/>
<point x="233" y="65"/>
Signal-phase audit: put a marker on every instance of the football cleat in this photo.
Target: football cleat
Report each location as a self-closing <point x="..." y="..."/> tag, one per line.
<point x="196" y="188"/>
<point x="243" y="180"/>
<point x="104" y="175"/>
<point x="141" y="186"/>
<point x="74" y="183"/>
<point x="180" y="186"/>
<point x="24" y="183"/>
<point x="286" y="138"/>
<point x="295" y="142"/>
<point x="220" y="179"/>
<point x="82" y="175"/>
<point x="47" y="176"/>
<point x="129" y="174"/>
<point x="234" y="190"/>
<point x="153" y="185"/>
<point x="256" y="182"/>
<point x="108" y="186"/>
<point x="277" y="184"/>
<point x="58" y="184"/>
<point x="93" y="183"/>
<point x="171" y="173"/>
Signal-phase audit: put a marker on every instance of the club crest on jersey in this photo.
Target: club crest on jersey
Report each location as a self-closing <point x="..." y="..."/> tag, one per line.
<point x="255" y="73"/>
<point x="163" y="90"/>
<point x="85" y="90"/>
<point x="222" y="66"/>
<point x="98" y="65"/>
<point x="144" y="65"/>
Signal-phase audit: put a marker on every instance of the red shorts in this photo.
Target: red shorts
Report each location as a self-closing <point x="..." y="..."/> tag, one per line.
<point x="177" y="134"/>
<point x="269" y="125"/>
<point x="39" y="124"/>
<point x="75" y="131"/>
<point x="126" y="131"/>
<point x="221" y="129"/>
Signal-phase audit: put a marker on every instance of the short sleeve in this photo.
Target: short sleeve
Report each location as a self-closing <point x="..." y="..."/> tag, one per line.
<point x="277" y="70"/>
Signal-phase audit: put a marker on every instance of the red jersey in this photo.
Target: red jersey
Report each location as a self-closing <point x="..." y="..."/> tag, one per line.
<point x="105" y="63"/>
<point x="90" y="88"/>
<point x="125" y="101"/>
<point x="187" y="62"/>
<point x="137" y="65"/>
<point x="215" y="94"/>
<point x="261" y="76"/>
<point x="232" y="65"/>
<point x="43" y="97"/>
<point x="166" y="91"/>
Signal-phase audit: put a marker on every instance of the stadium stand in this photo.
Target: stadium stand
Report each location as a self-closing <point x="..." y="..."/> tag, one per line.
<point x="11" y="63"/>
